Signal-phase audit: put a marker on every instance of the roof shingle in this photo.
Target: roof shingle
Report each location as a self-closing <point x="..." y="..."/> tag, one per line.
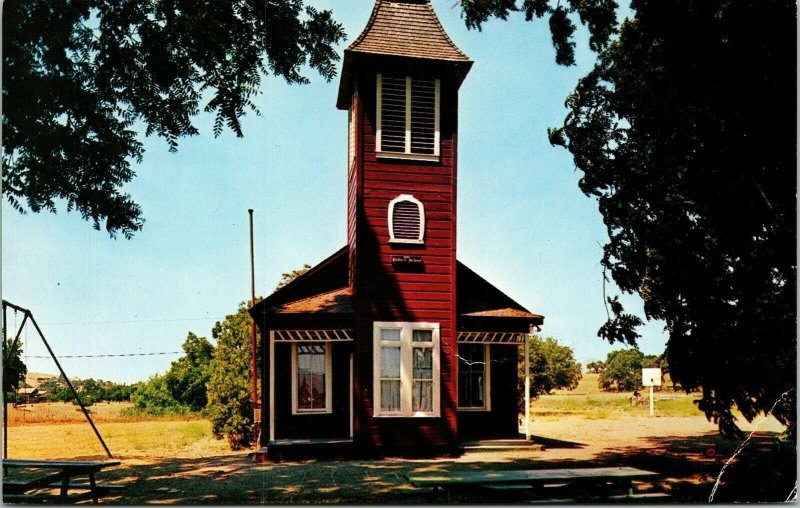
<point x="407" y="28"/>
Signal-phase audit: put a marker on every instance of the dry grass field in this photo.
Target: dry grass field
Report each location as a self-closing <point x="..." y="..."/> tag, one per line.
<point x="176" y="461"/>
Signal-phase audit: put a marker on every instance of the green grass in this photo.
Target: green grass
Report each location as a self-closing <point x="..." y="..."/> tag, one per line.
<point x="606" y="405"/>
<point x="590" y="402"/>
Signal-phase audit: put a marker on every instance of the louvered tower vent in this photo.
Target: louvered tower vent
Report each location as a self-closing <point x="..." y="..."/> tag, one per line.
<point x="406" y="220"/>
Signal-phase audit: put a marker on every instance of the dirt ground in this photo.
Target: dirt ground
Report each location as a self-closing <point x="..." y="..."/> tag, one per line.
<point x="686" y="452"/>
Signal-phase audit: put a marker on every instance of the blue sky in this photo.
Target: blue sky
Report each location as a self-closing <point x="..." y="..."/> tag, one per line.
<point x="523" y="223"/>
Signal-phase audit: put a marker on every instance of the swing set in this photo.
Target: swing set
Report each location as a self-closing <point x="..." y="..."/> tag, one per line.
<point x="28" y="316"/>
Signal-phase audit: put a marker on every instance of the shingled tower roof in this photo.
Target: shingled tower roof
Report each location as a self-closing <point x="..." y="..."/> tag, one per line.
<point x="405" y="29"/>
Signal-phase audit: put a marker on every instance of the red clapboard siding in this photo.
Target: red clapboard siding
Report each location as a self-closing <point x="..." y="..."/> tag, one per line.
<point x="385" y="292"/>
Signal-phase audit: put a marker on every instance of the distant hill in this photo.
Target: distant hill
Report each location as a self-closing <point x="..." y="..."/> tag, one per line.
<point x="34" y="379"/>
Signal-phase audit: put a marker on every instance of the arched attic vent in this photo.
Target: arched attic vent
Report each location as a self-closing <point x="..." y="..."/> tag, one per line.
<point x="406" y="220"/>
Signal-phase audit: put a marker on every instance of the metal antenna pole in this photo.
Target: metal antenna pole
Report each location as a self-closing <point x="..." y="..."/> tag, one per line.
<point x="253" y="323"/>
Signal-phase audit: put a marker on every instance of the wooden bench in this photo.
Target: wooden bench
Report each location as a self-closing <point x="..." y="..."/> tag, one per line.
<point x="18" y="490"/>
<point x="599" y="483"/>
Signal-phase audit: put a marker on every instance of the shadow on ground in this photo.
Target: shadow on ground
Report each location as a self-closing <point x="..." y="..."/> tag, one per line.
<point x="688" y="466"/>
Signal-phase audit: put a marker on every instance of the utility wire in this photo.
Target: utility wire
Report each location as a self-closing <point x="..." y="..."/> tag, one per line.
<point x="111" y="355"/>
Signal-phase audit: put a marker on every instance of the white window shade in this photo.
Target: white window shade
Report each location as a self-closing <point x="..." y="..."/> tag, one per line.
<point x="406" y="369"/>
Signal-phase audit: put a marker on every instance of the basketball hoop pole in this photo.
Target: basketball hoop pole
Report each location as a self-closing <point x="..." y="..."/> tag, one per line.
<point x="651" y="400"/>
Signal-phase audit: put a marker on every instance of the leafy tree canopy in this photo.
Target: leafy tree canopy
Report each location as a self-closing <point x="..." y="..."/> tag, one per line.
<point x="81" y="76"/>
<point x="552" y="366"/>
<point x="595" y="367"/>
<point x="623" y="370"/>
<point x="685" y="133"/>
<point x="14" y="369"/>
<point x="230" y="403"/>
<point x="187" y="376"/>
<point x="154" y="397"/>
<point x="290" y="276"/>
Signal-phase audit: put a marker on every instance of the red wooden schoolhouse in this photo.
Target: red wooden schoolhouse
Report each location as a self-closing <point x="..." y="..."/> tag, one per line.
<point x="391" y="343"/>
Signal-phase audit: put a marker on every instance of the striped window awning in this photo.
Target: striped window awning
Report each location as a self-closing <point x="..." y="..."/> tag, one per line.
<point x="313" y="335"/>
<point x="514" y="338"/>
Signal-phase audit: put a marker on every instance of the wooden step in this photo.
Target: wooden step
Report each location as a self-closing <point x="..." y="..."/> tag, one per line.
<point x="501" y="444"/>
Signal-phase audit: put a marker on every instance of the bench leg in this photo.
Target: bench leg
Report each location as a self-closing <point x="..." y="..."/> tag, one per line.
<point x="93" y="485"/>
<point x="62" y="497"/>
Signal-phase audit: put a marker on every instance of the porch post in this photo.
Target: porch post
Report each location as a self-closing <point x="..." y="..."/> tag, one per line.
<point x="527" y="390"/>
<point x="351" y="395"/>
<point x="271" y="385"/>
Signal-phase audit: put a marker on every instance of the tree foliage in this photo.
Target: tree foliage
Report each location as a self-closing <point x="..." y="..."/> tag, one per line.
<point x="14" y="369"/>
<point x="623" y="371"/>
<point x="230" y="403"/>
<point x="596" y="367"/>
<point x="153" y="397"/>
<point x="91" y="391"/>
<point x="187" y="376"/>
<point x="599" y="15"/>
<point x="82" y="77"/>
<point x="290" y="276"/>
<point x="182" y="388"/>
<point x="685" y="133"/>
<point x="552" y="367"/>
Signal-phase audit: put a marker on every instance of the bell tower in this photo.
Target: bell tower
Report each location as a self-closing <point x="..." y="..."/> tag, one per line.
<point x="399" y="84"/>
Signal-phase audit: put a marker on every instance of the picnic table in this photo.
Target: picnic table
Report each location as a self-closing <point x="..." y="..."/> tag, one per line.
<point x="599" y="483"/>
<point x="17" y="490"/>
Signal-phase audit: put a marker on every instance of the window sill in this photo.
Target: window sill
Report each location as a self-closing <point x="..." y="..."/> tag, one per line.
<point x="300" y="412"/>
<point x="407" y="156"/>
<point x="407" y="242"/>
<point x="475" y="409"/>
<point x="414" y="415"/>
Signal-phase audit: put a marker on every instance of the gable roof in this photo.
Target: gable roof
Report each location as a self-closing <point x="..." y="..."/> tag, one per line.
<point x="322" y="295"/>
<point x="408" y="28"/>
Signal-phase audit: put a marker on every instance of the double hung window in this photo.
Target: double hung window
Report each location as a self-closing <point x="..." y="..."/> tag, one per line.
<point x="311" y="378"/>
<point x="473" y="376"/>
<point x="406" y="369"/>
<point x="408" y="117"/>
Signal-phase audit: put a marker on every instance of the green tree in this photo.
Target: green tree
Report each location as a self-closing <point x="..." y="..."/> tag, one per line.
<point x="14" y="369"/>
<point x="623" y="370"/>
<point x="685" y="131"/>
<point x="230" y="404"/>
<point x="290" y="276"/>
<point x="82" y="79"/>
<point x="552" y="367"/>
<point x="154" y="397"/>
<point x="187" y="376"/>
<point x="56" y="392"/>
<point x="595" y="367"/>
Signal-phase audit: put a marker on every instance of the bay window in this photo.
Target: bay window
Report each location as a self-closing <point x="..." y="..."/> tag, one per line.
<point x="406" y="369"/>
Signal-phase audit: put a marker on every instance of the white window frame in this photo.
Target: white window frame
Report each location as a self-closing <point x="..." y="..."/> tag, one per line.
<point x="420" y="206"/>
<point x="406" y="367"/>
<point x="408" y="154"/>
<point x="328" y="383"/>
<point x="487" y="385"/>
